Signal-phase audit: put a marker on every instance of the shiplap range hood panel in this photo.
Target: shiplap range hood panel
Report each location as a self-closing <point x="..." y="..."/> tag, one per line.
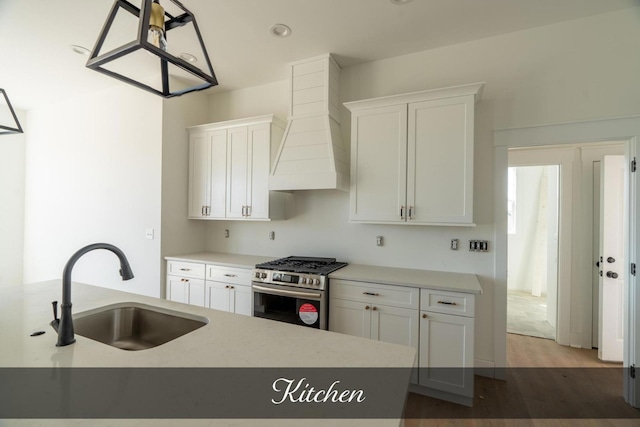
<point x="311" y="155"/>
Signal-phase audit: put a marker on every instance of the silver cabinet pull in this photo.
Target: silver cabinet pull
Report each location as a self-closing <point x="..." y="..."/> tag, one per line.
<point x="202" y="210"/>
<point x="185" y="269"/>
<point x="401" y="212"/>
<point x="230" y="275"/>
<point x="248" y="210"/>
<point x="244" y="211"/>
<point x="410" y="212"/>
<point x="371" y="293"/>
<point x="447" y="303"/>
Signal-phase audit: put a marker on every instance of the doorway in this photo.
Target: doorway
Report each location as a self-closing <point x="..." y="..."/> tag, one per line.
<point x="532" y="222"/>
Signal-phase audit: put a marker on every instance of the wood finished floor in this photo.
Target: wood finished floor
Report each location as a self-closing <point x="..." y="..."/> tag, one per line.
<point x="545" y="382"/>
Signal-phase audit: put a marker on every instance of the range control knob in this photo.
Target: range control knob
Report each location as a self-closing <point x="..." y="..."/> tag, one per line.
<point x="317" y="282"/>
<point x="257" y="275"/>
<point x="303" y="280"/>
<point x="263" y="275"/>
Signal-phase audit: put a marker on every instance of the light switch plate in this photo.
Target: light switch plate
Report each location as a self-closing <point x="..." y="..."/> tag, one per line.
<point x="149" y="233"/>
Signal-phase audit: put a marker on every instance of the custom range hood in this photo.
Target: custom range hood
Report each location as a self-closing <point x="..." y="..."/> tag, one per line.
<point x="311" y="155"/>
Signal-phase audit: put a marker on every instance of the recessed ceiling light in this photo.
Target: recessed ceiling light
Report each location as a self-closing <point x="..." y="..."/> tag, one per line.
<point x="188" y="57"/>
<point x="80" y="50"/>
<point x="400" y="2"/>
<point x="280" y="30"/>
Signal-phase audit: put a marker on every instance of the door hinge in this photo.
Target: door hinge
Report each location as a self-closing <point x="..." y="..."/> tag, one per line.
<point x="632" y="371"/>
<point x="633" y="268"/>
<point x="633" y="165"/>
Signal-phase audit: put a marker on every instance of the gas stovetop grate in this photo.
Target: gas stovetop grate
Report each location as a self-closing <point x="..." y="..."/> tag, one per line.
<point x="309" y="265"/>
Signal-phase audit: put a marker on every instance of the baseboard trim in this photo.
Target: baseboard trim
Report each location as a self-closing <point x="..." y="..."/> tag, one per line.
<point x="484" y="368"/>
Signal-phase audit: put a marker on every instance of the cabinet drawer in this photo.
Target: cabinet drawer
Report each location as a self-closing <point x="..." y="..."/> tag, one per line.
<point x="375" y="293"/>
<point x="447" y="302"/>
<point x="238" y="276"/>
<point x="185" y="269"/>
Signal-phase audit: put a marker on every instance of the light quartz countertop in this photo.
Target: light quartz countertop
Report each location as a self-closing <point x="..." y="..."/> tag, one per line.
<point x="438" y="280"/>
<point x="219" y="258"/>
<point x="228" y="340"/>
<point x="427" y="279"/>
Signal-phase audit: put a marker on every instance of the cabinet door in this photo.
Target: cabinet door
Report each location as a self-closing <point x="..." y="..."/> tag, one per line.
<point x="440" y="161"/>
<point x="349" y="317"/>
<point x="237" y="171"/>
<point x="196" y="292"/>
<point x="177" y="289"/>
<point x="241" y="300"/>
<point x="258" y="171"/>
<point x="446" y="341"/>
<point x="378" y="164"/>
<point x="199" y="173"/>
<point x="395" y="325"/>
<point x="186" y="290"/>
<point x="218" y="296"/>
<point x="218" y="176"/>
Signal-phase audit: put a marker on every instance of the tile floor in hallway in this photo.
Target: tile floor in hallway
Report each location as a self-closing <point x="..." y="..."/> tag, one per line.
<point x="527" y="315"/>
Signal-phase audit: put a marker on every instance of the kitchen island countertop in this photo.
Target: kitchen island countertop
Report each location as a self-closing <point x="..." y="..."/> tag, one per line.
<point x="228" y="340"/>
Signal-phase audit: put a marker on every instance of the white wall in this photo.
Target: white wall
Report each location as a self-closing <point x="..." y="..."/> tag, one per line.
<point x="577" y="70"/>
<point x="12" y="151"/>
<point x="93" y="174"/>
<point x="179" y="235"/>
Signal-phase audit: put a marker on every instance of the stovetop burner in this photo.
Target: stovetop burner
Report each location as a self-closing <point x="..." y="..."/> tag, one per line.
<point x="309" y="265"/>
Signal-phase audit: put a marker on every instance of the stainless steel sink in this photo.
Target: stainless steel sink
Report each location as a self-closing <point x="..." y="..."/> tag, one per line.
<point x="135" y="326"/>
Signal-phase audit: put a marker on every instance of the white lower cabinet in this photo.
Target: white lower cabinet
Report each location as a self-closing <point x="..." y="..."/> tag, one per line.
<point x="185" y="282"/>
<point x="231" y="298"/>
<point x="377" y="322"/>
<point x="185" y="290"/>
<point x="229" y="289"/>
<point x="212" y="286"/>
<point x="355" y="309"/>
<point x="446" y="353"/>
<point x="438" y="324"/>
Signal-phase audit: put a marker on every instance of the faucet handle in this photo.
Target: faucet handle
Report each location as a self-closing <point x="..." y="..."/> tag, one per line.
<point x="55" y="322"/>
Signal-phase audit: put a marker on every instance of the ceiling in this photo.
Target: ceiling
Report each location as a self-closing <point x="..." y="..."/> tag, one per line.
<point x="39" y="67"/>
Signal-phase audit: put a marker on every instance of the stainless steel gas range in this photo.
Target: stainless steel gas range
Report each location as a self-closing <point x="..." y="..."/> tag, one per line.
<point x="294" y="290"/>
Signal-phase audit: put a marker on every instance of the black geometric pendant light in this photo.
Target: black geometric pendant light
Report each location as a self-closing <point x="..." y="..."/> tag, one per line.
<point x="9" y="123"/>
<point x="153" y="49"/>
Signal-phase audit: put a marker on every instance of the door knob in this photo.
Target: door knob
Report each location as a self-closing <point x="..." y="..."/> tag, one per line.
<point x="611" y="260"/>
<point x="612" y="275"/>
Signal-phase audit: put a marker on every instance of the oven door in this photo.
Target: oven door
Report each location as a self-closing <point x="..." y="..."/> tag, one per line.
<point x="305" y="307"/>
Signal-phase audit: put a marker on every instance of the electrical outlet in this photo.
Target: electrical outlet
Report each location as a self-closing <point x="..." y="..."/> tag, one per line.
<point x="272" y="235"/>
<point x="149" y="233"/>
<point x="379" y="240"/>
<point x="454" y="244"/>
<point x="226" y="233"/>
<point x="478" y="245"/>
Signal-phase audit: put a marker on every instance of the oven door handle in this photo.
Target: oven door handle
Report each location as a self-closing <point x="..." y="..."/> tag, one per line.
<point x="284" y="292"/>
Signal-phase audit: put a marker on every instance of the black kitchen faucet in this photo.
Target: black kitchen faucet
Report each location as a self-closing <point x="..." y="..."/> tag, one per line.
<point x="64" y="325"/>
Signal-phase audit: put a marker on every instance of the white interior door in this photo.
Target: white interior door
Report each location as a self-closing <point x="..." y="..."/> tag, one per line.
<point x="612" y="260"/>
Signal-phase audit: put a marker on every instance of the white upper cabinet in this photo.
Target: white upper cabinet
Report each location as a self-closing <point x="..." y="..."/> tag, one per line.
<point x="412" y="157"/>
<point x="229" y="166"/>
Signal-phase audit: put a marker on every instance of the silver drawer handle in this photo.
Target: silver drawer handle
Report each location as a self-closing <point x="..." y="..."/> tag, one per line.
<point x="371" y="293"/>
<point x="185" y="269"/>
<point x="447" y="303"/>
<point x="284" y="292"/>
<point x="230" y="275"/>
